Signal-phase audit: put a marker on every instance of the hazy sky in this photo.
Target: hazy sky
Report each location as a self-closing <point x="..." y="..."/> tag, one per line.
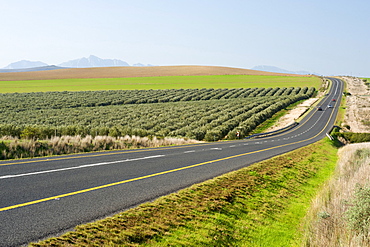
<point x="330" y="37"/>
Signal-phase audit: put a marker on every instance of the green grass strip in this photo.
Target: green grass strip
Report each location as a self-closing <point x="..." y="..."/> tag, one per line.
<point x="260" y="205"/>
<point x="159" y="82"/>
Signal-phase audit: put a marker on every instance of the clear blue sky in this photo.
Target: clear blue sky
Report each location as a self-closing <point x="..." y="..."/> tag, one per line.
<point x="329" y="37"/>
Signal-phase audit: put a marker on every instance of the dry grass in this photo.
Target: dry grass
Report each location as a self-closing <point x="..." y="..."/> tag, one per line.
<point x="125" y="72"/>
<point x="13" y="148"/>
<point x="330" y="225"/>
<point x="358" y="106"/>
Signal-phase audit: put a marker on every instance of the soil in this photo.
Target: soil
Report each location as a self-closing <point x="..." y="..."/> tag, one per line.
<point x="358" y="106"/>
<point x="124" y="72"/>
<point x="293" y="114"/>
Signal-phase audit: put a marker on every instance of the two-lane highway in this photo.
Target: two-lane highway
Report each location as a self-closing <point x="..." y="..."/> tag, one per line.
<point x="46" y="196"/>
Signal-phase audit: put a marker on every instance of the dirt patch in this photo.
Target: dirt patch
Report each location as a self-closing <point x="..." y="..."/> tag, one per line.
<point x="358" y="105"/>
<point x="293" y="114"/>
<point x="125" y="72"/>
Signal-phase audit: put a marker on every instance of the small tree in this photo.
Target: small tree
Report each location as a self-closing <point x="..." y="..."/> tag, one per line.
<point x="30" y="132"/>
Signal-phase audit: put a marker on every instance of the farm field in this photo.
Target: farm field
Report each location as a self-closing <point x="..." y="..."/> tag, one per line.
<point x="195" y="102"/>
<point x="159" y="82"/>
<point x="125" y="72"/>
<point x="191" y="113"/>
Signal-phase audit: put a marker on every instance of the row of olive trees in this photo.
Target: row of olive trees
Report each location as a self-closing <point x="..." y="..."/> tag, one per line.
<point x="166" y="117"/>
<point x="212" y="120"/>
<point x="19" y="102"/>
<point x="248" y="121"/>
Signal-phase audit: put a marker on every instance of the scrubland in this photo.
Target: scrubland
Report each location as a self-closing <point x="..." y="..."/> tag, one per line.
<point x="357" y="118"/>
<point x="340" y="214"/>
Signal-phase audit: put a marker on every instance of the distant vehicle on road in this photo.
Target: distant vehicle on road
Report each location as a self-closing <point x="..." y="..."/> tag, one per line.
<point x="319" y="108"/>
<point x="330" y="106"/>
<point x="333" y="100"/>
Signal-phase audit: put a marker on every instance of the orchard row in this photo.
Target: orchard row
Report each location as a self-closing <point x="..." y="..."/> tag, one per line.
<point x="210" y="120"/>
<point x="15" y="102"/>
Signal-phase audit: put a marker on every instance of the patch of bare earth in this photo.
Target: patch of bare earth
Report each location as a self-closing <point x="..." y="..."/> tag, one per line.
<point x="125" y="72"/>
<point x="293" y="115"/>
<point x="358" y="105"/>
<point x="298" y="111"/>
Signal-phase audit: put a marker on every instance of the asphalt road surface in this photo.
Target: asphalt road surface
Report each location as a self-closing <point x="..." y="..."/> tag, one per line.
<point x="43" y="197"/>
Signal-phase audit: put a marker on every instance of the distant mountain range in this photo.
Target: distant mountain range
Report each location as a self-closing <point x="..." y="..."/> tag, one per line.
<point x="89" y="62"/>
<point x="279" y="70"/>
<point x="48" y="67"/>
<point x="24" y="64"/>
<point x="94" y="61"/>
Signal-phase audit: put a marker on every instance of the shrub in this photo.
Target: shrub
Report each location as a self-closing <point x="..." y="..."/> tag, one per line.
<point x="358" y="214"/>
<point x="213" y="135"/>
<point x="30" y="132"/>
<point x="355" y="137"/>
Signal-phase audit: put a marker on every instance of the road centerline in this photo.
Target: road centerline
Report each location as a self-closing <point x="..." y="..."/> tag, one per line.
<point x="78" y="167"/>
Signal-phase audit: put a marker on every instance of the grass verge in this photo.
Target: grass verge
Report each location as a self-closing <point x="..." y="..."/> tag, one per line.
<point x="260" y="205"/>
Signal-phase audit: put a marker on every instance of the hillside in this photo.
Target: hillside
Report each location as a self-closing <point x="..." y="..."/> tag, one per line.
<point x="125" y="72"/>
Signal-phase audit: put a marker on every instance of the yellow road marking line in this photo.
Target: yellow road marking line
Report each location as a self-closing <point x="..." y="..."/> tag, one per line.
<point x="129" y="180"/>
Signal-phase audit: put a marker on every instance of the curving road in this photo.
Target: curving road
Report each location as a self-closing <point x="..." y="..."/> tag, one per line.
<point x="47" y="196"/>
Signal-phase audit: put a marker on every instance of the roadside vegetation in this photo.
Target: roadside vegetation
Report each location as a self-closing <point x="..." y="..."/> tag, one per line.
<point x="260" y="205"/>
<point x="14" y="148"/>
<point x="350" y="137"/>
<point x="340" y="214"/>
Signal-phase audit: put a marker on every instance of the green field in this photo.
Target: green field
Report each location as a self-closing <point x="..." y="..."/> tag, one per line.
<point x="159" y="82"/>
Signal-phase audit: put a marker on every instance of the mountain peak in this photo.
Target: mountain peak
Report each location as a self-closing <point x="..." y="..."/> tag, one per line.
<point x="93" y="61"/>
<point x="25" y="64"/>
<point x="278" y="70"/>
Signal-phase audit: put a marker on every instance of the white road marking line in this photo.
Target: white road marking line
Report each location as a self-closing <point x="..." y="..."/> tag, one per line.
<point x="215" y="148"/>
<point x="191" y="151"/>
<point x="78" y="167"/>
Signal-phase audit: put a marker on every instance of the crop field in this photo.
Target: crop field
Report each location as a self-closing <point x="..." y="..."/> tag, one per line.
<point x="132" y="71"/>
<point x="156" y="82"/>
<point x="202" y="114"/>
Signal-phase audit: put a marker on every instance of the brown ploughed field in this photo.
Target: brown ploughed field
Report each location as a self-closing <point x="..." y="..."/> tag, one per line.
<point x="122" y="72"/>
